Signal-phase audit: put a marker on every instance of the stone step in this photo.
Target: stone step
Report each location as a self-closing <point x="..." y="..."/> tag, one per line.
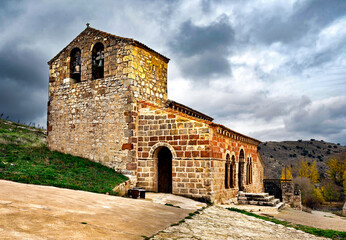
<point x="262" y="199"/>
<point x="243" y="202"/>
<point x="280" y="205"/>
<point x="242" y="198"/>
<point x="254" y="195"/>
<point x="254" y="202"/>
<point x="265" y="199"/>
<point x="271" y="203"/>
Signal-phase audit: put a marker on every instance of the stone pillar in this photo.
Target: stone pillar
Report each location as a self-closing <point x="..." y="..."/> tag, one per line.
<point x="291" y="195"/>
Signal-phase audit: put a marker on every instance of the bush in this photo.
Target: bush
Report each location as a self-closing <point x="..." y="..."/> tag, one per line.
<point x="312" y="197"/>
<point x="331" y="191"/>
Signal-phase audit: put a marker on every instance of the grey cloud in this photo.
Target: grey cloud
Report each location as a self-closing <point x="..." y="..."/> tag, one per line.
<point x="23" y="83"/>
<point x="206" y="5"/>
<point x="23" y="66"/>
<point x="205" y="65"/>
<point x="23" y="103"/>
<point x="205" y="48"/>
<point x="195" y="40"/>
<point x="308" y="17"/>
<point x="326" y="118"/>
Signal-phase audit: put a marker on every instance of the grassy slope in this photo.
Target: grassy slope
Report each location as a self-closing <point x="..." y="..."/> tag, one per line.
<point x="24" y="157"/>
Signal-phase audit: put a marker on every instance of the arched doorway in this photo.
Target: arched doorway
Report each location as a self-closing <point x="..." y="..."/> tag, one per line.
<point x="164" y="167"/>
<point x="241" y="170"/>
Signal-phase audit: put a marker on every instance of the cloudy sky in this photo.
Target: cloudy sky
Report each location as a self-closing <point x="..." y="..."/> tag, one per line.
<point x="271" y="69"/>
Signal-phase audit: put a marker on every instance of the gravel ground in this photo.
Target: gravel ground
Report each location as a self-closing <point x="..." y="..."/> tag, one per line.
<point x="219" y="223"/>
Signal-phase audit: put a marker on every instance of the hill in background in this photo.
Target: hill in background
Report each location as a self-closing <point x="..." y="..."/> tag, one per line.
<point x="278" y="154"/>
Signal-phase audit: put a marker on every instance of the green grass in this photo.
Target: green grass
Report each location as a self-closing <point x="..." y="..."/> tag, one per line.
<point x="315" y="231"/>
<point x="171" y="205"/>
<point x="198" y="211"/>
<point x="24" y="157"/>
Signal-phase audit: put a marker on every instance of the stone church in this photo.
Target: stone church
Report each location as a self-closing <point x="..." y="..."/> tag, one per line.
<point x="108" y="103"/>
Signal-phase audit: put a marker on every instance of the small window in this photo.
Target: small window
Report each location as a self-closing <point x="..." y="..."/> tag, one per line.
<point x="227" y="172"/>
<point x="232" y="173"/>
<point x="75" y="64"/>
<point x="98" y="61"/>
<point x="249" y="171"/>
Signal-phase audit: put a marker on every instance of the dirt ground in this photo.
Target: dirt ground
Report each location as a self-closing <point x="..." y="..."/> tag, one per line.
<point x="42" y="212"/>
<point x="316" y="219"/>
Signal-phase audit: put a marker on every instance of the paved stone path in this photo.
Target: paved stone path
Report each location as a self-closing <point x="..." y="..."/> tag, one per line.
<point x="219" y="223"/>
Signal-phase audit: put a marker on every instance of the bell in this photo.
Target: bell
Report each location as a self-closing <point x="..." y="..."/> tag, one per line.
<point x="98" y="55"/>
<point x="100" y="63"/>
<point x="76" y="69"/>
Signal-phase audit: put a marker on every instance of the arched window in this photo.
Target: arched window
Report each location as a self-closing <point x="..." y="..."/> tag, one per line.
<point x="98" y="61"/>
<point x="75" y="64"/>
<point x="232" y="172"/>
<point x="250" y="171"/>
<point x="227" y="175"/>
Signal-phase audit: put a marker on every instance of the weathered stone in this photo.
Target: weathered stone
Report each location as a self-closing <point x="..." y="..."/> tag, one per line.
<point x="122" y="188"/>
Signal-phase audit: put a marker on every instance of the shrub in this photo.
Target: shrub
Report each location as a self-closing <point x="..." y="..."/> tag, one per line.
<point x="311" y="197"/>
<point x="331" y="191"/>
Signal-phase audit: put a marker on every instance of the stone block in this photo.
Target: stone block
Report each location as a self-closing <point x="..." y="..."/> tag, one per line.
<point x="127" y="146"/>
<point x="131" y="166"/>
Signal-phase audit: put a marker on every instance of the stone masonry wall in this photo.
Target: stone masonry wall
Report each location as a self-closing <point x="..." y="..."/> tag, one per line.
<point x="199" y="154"/>
<point x="149" y="72"/>
<point x="97" y="118"/>
<point x="188" y="139"/>
<point x="87" y="119"/>
<point x="92" y="118"/>
<point x="223" y="143"/>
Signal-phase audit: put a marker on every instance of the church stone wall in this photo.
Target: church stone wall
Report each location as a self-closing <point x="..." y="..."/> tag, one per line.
<point x="230" y="143"/>
<point x="92" y="118"/>
<point x="188" y="139"/>
<point x="87" y="119"/>
<point x="149" y="72"/>
<point x="199" y="154"/>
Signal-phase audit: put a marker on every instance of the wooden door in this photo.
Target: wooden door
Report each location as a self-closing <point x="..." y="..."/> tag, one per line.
<point x="165" y="170"/>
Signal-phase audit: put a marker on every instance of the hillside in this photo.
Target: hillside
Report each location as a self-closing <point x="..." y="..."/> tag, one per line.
<point x="278" y="154"/>
<point x="24" y="157"/>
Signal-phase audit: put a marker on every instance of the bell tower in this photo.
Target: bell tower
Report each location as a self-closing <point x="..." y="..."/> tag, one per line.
<point x="95" y="85"/>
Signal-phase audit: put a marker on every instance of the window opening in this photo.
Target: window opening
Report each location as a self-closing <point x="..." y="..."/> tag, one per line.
<point x="75" y="66"/>
<point x="98" y="61"/>
<point x="232" y="172"/>
<point x="227" y="172"/>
